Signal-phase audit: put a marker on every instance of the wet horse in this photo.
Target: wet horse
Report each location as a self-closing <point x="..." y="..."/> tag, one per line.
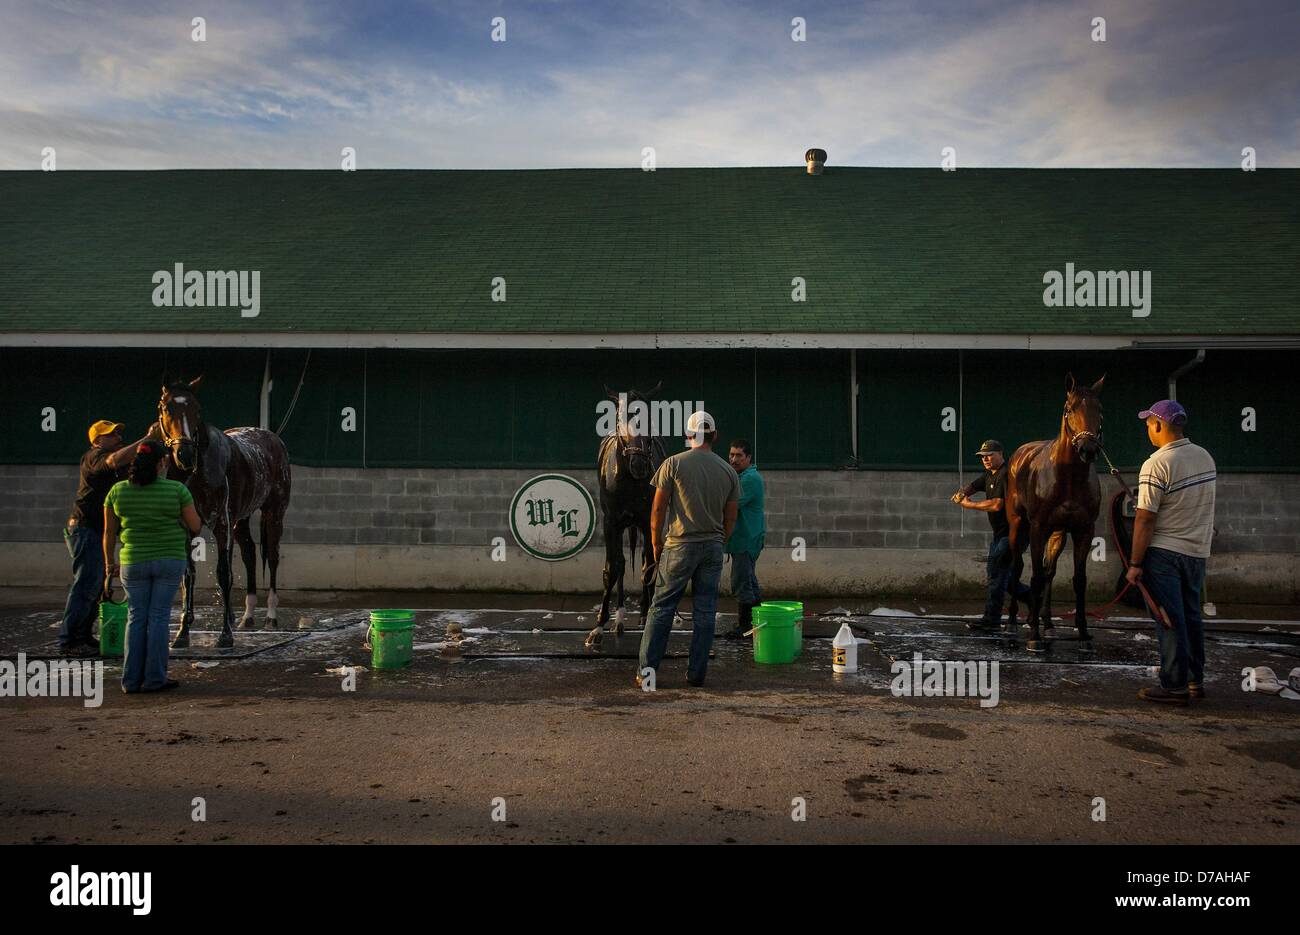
<point x="1052" y="491"/>
<point x="231" y="474"/>
<point x="627" y="461"/>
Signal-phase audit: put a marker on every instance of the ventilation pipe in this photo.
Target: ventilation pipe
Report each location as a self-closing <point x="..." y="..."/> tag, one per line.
<point x="1173" y="377"/>
<point x="816" y="159"/>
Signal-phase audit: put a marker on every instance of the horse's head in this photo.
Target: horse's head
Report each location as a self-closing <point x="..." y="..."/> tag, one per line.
<point x="179" y="417"/>
<point x="635" y="448"/>
<point x="1082" y="418"/>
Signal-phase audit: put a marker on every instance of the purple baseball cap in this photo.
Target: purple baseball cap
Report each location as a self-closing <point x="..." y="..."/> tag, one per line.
<point x="1167" y="410"/>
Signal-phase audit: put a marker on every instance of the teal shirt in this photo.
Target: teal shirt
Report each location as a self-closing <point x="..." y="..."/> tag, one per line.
<point x="751" y="524"/>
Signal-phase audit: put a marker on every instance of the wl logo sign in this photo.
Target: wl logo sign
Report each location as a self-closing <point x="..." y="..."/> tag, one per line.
<point x="552" y="517"/>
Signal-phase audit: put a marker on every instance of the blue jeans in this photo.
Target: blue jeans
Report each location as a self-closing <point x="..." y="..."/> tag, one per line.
<point x="1175" y="580"/>
<point x="150" y="589"/>
<point x="998" y="570"/>
<point x="744" y="582"/>
<point x="700" y="565"/>
<point x="86" y="546"/>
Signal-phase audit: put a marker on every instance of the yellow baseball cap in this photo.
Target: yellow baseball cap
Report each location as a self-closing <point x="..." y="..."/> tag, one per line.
<point x="104" y="427"/>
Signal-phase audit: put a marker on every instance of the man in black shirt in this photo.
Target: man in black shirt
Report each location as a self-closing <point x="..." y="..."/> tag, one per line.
<point x="101" y="467"/>
<point x="993" y="482"/>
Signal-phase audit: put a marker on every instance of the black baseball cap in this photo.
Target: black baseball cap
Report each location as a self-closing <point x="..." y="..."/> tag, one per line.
<point x="989" y="446"/>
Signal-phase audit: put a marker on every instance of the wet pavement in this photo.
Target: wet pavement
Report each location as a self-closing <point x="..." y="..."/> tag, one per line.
<point x="1121" y="652"/>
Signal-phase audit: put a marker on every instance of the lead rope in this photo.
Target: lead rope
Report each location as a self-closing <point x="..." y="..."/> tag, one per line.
<point x="1157" y="611"/>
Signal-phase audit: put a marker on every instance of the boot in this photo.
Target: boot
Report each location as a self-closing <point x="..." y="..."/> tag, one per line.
<point x="744" y="620"/>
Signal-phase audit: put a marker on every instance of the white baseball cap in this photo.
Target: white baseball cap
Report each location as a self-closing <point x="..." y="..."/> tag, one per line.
<point x="697" y="426"/>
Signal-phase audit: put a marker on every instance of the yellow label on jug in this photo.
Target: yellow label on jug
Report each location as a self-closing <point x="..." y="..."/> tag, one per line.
<point x="838" y="655"/>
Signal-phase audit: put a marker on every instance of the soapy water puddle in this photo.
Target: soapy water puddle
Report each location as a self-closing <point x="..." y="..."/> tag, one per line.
<point x="316" y="639"/>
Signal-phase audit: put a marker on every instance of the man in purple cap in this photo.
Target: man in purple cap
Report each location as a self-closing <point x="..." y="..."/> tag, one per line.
<point x="1171" y="541"/>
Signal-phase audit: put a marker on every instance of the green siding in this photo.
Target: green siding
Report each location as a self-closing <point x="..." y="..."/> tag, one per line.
<point x="1017" y="398"/>
<point x="538" y="409"/>
<point x="679" y="250"/>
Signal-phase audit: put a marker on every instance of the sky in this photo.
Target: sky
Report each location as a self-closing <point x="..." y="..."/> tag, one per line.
<point x="289" y="84"/>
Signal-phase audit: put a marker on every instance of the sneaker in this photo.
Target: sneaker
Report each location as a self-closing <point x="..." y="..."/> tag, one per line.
<point x="1164" y="695"/>
<point x="694" y="683"/>
<point x="1195" y="691"/>
<point x="165" y="686"/>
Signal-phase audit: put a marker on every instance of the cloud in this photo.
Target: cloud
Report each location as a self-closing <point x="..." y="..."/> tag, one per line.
<point x="705" y="83"/>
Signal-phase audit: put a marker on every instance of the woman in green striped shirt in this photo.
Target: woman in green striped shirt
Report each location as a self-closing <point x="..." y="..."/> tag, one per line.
<point x="156" y="518"/>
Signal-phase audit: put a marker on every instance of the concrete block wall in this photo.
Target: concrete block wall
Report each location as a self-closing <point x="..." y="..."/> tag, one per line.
<point x="868" y="531"/>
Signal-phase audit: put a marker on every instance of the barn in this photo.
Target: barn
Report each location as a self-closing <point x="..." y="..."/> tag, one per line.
<point x="428" y="341"/>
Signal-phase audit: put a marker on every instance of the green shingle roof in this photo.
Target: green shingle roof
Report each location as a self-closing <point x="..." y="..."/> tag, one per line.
<point x="678" y="250"/>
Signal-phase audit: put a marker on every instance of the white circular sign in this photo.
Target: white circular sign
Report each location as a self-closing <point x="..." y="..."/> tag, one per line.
<point x="552" y="517"/>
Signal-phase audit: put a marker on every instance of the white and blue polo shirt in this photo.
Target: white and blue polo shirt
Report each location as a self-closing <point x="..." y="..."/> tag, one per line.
<point x="1177" y="484"/>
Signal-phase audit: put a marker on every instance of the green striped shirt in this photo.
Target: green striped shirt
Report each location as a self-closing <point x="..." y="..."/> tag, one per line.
<point x="151" y="519"/>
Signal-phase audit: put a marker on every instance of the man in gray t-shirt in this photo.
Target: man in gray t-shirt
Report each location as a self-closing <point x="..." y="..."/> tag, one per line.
<point x="696" y="493"/>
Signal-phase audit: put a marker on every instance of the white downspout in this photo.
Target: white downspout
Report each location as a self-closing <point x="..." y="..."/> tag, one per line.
<point x="961" y="442"/>
<point x="264" y="415"/>
<point x="1173" y="377"/>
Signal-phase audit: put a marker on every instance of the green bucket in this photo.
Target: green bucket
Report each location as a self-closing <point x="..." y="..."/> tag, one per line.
<point x="795" y="608"/>
<point x="774" y="634"/>
<point x="391" y="634"/>
<point x="112" y="627"/>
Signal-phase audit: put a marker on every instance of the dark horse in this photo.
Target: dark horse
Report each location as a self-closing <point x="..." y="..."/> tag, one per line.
<point x="230" y="474"/>
<point x="627" y="460"/>
<point x="1052" y="490"/>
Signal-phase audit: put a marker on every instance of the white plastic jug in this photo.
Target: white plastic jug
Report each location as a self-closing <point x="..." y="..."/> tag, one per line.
<point x="844" y="650"/>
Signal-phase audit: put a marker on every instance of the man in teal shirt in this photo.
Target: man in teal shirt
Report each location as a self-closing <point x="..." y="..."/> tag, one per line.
<point x="746" y="540"/>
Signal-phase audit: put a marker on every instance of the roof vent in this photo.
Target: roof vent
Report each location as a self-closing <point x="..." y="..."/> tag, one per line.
<point x="816" y="159"/>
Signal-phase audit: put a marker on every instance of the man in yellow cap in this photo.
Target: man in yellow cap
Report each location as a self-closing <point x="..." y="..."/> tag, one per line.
<point x="101" y="467"/>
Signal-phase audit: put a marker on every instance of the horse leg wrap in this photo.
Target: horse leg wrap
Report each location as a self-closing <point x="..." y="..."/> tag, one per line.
<point x="250" y="606"/>
<point x="272" y="605"/>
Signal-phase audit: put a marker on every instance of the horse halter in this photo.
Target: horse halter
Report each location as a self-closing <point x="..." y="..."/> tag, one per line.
<point x="1078" y="438"/>
<point x="627" y="453"/>
<point x="174" y="443"/>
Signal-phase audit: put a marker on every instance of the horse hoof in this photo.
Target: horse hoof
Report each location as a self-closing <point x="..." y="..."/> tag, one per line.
<point x="1036" y="646"/>
<point x="593" y="639"/>
<point x="1085" y="645"/>
<point x="182" y="641"/>
<point x="272" y="623"/>
<point x="248" y="623"/>
<point x="226" y="640"/>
